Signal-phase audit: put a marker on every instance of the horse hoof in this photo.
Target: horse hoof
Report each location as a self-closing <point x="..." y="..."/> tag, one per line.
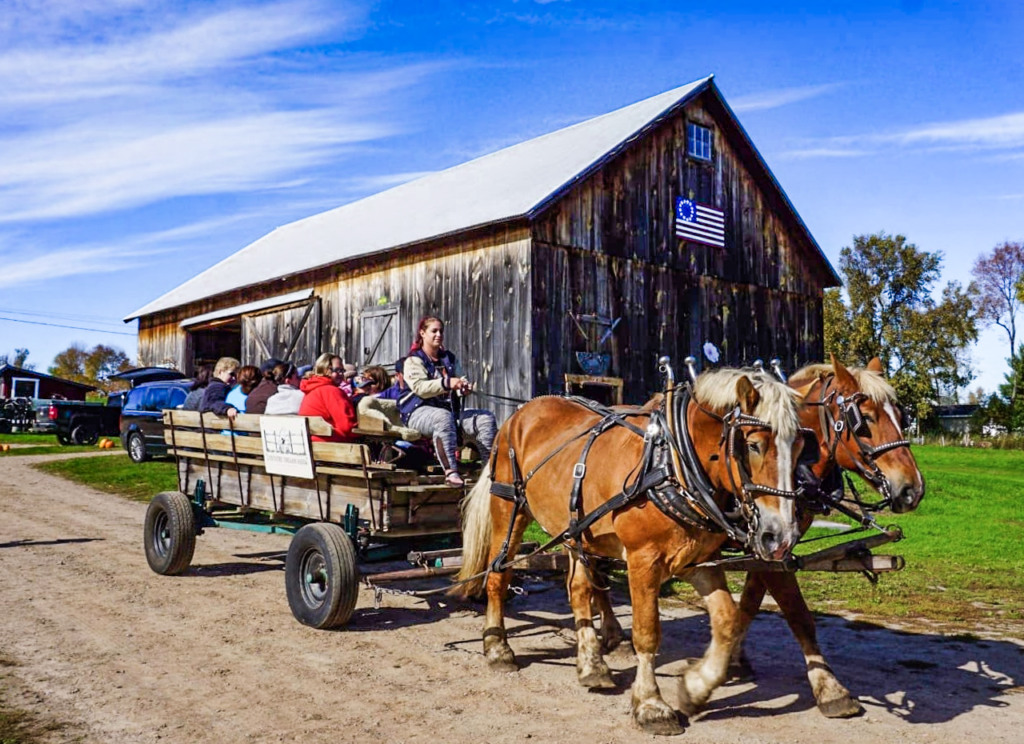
<point x="842" y="707"/>
<point x="660" y="726"/>
<point x="654" y="716"/>
<point x="598" y="679"/>
<point x="501" y="659"/>
<point x="741" y="671"/>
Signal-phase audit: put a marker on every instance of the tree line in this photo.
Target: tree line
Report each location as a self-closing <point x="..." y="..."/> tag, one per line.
<point x="889" y="308"/>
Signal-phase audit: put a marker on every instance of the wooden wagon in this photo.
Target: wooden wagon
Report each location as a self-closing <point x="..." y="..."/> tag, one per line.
<point x="349" y="506"/>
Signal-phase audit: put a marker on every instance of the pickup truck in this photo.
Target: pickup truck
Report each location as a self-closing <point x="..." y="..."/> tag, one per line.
<point x="84" y="423"/>
<point x="78" y="422"/>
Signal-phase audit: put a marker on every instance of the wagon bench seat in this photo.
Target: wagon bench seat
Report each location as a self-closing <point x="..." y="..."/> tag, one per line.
<point x="391" y="501"/>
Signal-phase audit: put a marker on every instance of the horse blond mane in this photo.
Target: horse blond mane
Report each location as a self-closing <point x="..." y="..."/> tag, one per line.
<point x="871" y="383"/>
<point x="777" y="405"/>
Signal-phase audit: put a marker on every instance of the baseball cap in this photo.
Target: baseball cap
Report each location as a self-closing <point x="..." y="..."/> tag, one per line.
<point x="268" y="365"/>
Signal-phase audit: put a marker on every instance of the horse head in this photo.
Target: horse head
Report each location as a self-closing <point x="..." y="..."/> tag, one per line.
<point x="746" y="431"/>
<point x="860" y="427"/>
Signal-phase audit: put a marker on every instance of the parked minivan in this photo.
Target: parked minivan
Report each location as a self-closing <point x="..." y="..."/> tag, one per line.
<point x="142" y="420"/>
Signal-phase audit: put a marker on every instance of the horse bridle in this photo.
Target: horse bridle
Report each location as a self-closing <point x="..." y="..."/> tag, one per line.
<point x="851" y="420"/>
<point x="733" y="425"/>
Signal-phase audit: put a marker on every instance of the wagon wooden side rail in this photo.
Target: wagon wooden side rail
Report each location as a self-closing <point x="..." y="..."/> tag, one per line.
<point x="352" y="507"/>
<point x="228" y="457"/>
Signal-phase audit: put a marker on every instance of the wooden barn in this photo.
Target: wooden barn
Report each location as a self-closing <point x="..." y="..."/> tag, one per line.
<point x="581" y="256"/>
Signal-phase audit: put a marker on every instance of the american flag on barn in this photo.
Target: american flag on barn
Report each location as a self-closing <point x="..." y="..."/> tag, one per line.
<point x="699" y="223"/>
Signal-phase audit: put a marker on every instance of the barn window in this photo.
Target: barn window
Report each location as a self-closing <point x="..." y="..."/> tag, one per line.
<point x="24" y="387"/>
<point x="379" y="336"/>
<point x="698" y="141"/>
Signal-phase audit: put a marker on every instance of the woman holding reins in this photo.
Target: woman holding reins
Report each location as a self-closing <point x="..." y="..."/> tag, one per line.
<point x="432" y="401"/>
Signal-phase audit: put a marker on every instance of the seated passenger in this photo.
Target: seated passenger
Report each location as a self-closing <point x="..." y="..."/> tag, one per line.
<point x="324" y="398"/>
<point x="288" y="397"/>
<point x="433" y="402"/>
<point x="215" y="397"/>
<point x="257" y="400"/>
<point x="195" y="395"/>
<point x="248" y="377"/>
<point x="370" y="404"/>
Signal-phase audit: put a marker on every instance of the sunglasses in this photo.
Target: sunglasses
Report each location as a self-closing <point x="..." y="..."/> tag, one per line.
<point x="337" y="370"/>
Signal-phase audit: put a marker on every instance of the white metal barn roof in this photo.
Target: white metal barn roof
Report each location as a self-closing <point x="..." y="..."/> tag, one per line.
<point x="506" y="184"/>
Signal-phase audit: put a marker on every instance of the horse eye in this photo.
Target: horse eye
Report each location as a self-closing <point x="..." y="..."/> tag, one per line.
<point x="754" y="447"/>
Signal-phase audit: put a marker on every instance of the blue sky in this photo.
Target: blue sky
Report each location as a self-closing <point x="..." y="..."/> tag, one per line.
<point x="141" y="141"/>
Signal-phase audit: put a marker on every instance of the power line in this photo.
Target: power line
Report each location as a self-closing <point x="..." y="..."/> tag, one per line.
<point x="78" y="317"/>
<point x="58" y="325"/>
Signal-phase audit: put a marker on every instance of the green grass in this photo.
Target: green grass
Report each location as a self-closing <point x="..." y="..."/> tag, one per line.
<point x="117" y="474"/>
<point x="964" y="546"/>
<point x="24" y="438"/>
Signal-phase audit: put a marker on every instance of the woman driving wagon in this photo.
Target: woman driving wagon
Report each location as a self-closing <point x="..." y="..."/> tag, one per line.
<point x="432" y="400"/>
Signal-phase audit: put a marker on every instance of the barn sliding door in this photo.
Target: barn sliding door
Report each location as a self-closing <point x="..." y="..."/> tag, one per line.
<point x="290" y="333"/>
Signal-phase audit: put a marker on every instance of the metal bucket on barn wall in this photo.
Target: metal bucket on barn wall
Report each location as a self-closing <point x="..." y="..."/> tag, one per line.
<point x="594" y="363"/>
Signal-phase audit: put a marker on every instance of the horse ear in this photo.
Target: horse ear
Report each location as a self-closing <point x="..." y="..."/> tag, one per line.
<point x="843" y="377"/>
<point x="875" y="365"/>
<point x="747" y="395"/>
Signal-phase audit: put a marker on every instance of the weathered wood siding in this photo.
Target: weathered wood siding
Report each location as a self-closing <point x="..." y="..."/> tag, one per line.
<point x="283" y="333"/>
<point x="608" y="247"/>
<point x="480" y="286"/>
<point x="478" y="283"/>
<point x="162" y="342"/>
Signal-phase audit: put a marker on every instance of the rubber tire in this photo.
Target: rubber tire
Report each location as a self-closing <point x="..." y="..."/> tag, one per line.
<point x="85" y="434"/>
<point x="63" y="439"/>
<point x="325" y="551"/>
<point x="169" y="536"/>
<point x="136" y="447"/>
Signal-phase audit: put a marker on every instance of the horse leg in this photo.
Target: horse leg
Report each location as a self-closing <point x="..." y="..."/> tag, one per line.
<point x="591" y="669"/>
<point x="650" y="711"/>
<point x="612" y="634"/>
<point x="496" y="649"/>
<point x="750" y="603"/>
<point x="833" y="699"/>
<point x="701" y="678"/>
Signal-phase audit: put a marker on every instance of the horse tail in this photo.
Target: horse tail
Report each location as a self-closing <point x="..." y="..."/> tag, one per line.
<point x="476" y="535"/>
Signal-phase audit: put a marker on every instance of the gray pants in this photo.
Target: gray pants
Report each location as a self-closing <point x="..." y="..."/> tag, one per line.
<point x="440" y="424"/>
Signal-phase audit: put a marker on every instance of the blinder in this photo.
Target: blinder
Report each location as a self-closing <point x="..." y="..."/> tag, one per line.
<point x="810" y="454"/>
<point x="855" y="418"/>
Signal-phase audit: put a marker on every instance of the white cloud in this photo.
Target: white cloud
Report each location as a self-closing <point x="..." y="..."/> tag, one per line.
<point x="771" y="99"/>
<point x="1002" y="135"/>
<point x="114" y="105"/>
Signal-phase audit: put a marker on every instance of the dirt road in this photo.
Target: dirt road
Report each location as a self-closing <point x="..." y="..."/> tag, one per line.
<point x="98" y="642"/>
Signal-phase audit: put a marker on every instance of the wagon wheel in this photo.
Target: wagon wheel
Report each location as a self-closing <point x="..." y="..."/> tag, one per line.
<point x="321" y="576"/>
<point x="170" y="533"/>
<point x="85" y="434"/>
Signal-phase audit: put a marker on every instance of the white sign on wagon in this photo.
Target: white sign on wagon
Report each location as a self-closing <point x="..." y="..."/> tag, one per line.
<point x="286" y="448"/>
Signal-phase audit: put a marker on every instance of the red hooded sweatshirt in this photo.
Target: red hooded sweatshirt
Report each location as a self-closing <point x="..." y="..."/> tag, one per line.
<point x="325" y="399"/>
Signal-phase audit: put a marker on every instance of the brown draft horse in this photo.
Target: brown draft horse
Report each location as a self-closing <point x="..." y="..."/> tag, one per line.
<point x="855" y="416"/>
<point x="744" y="430"/>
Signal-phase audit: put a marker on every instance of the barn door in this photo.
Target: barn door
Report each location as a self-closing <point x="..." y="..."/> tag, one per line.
<point x="291" y="334"/>
<point x="379" y="337"/>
